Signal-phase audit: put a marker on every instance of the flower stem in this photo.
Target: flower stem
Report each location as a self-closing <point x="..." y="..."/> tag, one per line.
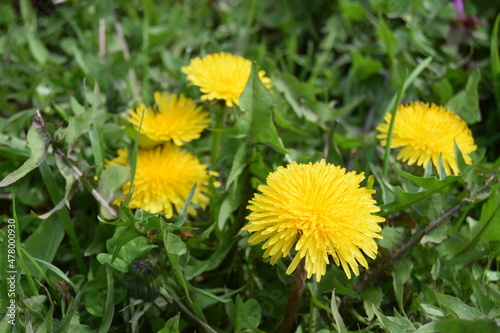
<point x="294" y="300"/>
<point x="216" y="137"/>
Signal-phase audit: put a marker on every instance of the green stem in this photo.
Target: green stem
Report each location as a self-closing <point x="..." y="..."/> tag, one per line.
<point x="216" y="136"/>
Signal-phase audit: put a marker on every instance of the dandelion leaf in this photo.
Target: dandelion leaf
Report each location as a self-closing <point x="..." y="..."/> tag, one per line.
<point x="38" y="142"/>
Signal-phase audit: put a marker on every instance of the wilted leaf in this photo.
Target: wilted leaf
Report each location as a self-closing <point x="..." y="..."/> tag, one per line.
<point x="38" y="142"/>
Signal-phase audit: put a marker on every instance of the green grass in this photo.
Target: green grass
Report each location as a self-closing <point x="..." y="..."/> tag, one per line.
<point x="336" y="68"/>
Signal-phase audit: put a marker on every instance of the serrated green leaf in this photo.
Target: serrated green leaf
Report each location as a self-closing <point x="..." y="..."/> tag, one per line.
<point x="459" y="326"/>
<point x="459" y="308"/>
<point x="466" y="102"/>
<point x="393" y="324"/>
<point x="77" y="126"/>
<point x="257" y="101"/>
<point x="38" y="142"/>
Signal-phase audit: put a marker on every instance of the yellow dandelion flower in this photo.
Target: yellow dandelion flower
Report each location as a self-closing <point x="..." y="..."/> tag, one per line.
<point x="322" y="211"/>
<point x="121" y="159"/>
<point x="164" y="177"/>
<point x="178" y="119"/>
<point x="221" y="76"/>
<point x="424" y="132"/>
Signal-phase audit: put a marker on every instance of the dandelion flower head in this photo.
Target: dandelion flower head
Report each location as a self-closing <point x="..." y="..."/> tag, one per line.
<point x="425" y="131"/>
<point x="177" y="118"/>
<point x="321" y="211"/>
<point x="164" y="177"/>
<point x="221" y="76"/>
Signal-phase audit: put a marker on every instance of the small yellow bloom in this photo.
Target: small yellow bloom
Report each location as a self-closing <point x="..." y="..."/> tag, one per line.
<point x="322" y="211"/>
<point x="178" y="118"/>
<point x="164" y="177"/>
<point x="221" y="76"/>
<point x="424" y="132"/>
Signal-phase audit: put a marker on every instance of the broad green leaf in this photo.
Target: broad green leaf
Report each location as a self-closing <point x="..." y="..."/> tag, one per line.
<point x="481" y="295"/>
<point x="117" y="263"/>
<point x="352" y="11"/>
<point x="94" y="302"/>
<point x="174" y="244"/>
<point x="172" y="325"/>
<point x="77" y="108"/>
<point x="459" y="326"/>
<point x="247" y="314"/>
<point x="293" y="91"/>
<point x="173" y="259"/>
<point x="371" y="296"/>
<point x="38" y="50"/>
<point x="433" y="310"/>
<point x="76" y="326"/>
<point x="339" y="322"/>
<point x="466" y="102"/>
<point x="401" y="274"/>
<point x="364" y="67"/>
<point x="38" y="142"/>
<point x="231" y="202"/>
<point x="459" y="308"/>
<point x="239" y="163"/>
<point x="490" y="217"/>
<point x="45" y="240"/>
<point x="123" y="238"/>
<point x="102" y="233"/>
<point x="385" y="35"/>
<point x="110" y="183"/>
<point x="420" y="39"/>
